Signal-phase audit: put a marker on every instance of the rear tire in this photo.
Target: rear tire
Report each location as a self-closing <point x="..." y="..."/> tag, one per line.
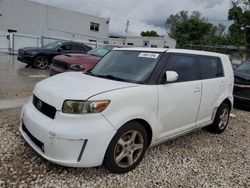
<point x="221" y="119"/>
<point x="41" y="62"/>
<point x="127" y="148"/>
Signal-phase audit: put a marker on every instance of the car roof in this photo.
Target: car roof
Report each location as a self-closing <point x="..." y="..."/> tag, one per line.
<point x="170" y="50"/>
<point x="142" y="49"/>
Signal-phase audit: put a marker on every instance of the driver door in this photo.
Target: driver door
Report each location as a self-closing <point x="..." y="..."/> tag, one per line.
<point x="179" y="101"/>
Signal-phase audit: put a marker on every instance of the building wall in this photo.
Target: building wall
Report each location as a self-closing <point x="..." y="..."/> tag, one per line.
<point x="156" y="42"/>
<point x="32" y="18"/>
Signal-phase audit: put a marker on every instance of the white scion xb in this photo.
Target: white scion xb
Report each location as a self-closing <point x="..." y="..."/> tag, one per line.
<point x="132" y="99"/>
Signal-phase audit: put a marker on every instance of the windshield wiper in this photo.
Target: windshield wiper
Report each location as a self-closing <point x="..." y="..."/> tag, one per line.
<point x="111" y="77"/>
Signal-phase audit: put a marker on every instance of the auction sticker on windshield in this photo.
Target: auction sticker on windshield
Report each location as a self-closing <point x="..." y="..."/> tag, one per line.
<point x="149" y="55"/>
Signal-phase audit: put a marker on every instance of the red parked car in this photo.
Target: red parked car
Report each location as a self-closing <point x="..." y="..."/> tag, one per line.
<point x="78" y="62"/>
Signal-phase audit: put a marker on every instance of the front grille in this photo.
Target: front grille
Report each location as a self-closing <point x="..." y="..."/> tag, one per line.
<point x="60" y="64"/>
<point x="43" y="107"/>
<point x="242" y="92"/>
<point x="34" y="140"/>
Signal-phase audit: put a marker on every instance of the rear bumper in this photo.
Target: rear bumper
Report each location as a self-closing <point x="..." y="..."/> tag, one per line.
<point x="69" y="140"/>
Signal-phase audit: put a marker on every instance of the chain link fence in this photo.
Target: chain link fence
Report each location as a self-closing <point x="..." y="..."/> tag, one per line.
<point x="11" y="42"/>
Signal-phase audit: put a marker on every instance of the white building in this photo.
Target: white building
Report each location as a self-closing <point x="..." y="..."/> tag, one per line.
<point x="153" y="42"/>
<point x="36" y="24"/>
<point x="31" y="18"/>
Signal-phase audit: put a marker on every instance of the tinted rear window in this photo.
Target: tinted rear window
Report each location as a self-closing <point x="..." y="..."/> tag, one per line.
<point x="210" y="67"/>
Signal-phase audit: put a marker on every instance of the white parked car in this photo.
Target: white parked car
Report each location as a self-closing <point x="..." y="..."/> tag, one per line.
<point x="132" y="99"/>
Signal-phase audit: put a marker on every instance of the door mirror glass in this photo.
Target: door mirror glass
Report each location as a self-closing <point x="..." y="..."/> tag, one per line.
<point x="171" y="76"/>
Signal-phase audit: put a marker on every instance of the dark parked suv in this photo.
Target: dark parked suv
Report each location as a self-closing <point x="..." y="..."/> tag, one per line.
<point x="242" y="86"/>
<point x="41" y="57"/>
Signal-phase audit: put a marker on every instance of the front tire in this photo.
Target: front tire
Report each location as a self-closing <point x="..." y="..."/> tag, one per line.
<point x="221" y="119"/>
<point x="41" y="62"/>
<point x="127" y="148"/>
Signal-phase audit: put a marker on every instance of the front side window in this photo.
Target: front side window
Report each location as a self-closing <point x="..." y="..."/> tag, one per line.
<point x="66" y="47"/>
<point x="209" y="67"/>
<point x="184" y="65"/>
<point x="129" y="66"/>
<point x="94" y="26"/>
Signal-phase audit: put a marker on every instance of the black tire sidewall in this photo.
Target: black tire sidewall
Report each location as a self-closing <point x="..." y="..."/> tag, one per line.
<point x="109" y="161"/>
<point x="215" y="126"/>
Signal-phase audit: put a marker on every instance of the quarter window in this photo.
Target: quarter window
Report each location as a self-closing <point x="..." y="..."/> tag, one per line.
<point x="184" y="65"/>
<point x="209" y="67"/>
<point x="94" y="26"/>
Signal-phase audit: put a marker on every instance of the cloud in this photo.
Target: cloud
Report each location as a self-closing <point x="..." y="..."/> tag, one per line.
<point x="143" y="14"/>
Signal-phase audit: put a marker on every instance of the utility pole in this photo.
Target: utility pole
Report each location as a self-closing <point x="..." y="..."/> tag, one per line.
<point x="126" y="31"/>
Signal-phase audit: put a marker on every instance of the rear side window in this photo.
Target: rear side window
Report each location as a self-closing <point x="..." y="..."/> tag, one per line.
<point x="210" y="67"/>
<point x="184" y="65"/>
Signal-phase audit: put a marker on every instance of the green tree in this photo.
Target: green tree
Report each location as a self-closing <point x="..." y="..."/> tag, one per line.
<point x="188" y="30"/>
<point x="239" y="31"/>
<point x="149" y="34"/>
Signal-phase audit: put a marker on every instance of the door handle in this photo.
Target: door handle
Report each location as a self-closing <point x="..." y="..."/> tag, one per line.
<point x="197" y="89"/>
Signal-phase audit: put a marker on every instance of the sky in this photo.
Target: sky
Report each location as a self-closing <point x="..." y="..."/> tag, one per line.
<point x="144" y="15"/>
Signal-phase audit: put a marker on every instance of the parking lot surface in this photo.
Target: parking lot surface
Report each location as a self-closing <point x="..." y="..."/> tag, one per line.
<point x="199" y="159"/>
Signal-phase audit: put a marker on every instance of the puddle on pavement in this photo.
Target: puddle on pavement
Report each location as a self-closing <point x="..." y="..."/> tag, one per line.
<point x="16" y="80"/>
<point x="13" y="103"/>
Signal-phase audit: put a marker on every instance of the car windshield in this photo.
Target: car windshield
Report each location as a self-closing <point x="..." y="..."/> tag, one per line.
<point x="129" y="66"/>
<point x="100" y="52"/>
<point x="244" y="68"/>
<point x="53" y="45"/>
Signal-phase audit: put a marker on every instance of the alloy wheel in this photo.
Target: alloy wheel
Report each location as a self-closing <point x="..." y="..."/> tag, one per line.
<point x="42" y="62"/>
<point x="128" y="148"/>
<point x="223" y="118"/>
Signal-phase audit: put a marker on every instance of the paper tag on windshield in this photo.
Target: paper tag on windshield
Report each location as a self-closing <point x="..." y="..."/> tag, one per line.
<point x="149" y="55"/>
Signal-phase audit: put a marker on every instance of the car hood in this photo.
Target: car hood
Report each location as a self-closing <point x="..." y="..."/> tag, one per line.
<point x="75" y="86"/>
<point x="34" y="49"/>
<point x="77" y="58"/>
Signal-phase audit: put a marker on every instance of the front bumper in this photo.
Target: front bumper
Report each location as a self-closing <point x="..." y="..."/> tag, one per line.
<point x="25" y="59"/>
<point x="53" y="70"/>
<point x="69" y="140"/>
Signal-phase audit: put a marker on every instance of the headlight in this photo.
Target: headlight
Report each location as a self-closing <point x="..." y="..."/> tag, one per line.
<point x="77" y="67"/>
<point x="83" y="107"/>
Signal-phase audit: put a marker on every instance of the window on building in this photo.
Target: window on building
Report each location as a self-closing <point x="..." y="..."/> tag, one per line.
<point x="94" y="26"/>
<point x="130" y="44"/>
<point x="184" y="65"/>
<point x="105" y="42"/>
<point x="92" y="40"/>
<point x="210" y="67"/>
<point x="146" y="43"/>
<point x="153" y="46"/>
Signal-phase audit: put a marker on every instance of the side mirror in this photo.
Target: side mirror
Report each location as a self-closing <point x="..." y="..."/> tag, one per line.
<point x="59" y="50"/>
<point x="171" y="76"/>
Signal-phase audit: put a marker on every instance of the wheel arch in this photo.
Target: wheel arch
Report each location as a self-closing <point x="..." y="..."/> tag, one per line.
<point x="228" y="102"/>
<point x="147" y="127"/>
